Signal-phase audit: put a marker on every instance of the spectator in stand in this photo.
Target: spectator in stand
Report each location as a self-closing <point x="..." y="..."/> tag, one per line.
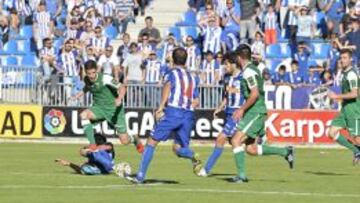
<point x="193" y="55"/>
<point x="54" y="7"/>
<point x="125" y="14"/>
<point x="219" y="6"/>
<point x="4" y="31"/>
<point x="270" y="21"/>
<point x="87" y="34"/>
<point x="204" y="17"/>
<point x="209" y="70"/>
<point x="231" y="18"/>
<point x="142" y="4"/>
<point x="48" y="59"/>
<point x="43" y="25"/>
<point x="292" y="21"/>
<point x="88" y="55"/>
<point x="258" y="47"/>
<point x="108" y="12"/>
<point x="302" y="56"/>
<point x="14" y="21"/>
<point x="334" y="10"/>
<point x="333" y="56"/>
<point x="68" y="68"/>
<point x="109" y="64"/>
<point x="168" y="46"/>
<point x="145" y="47"/>
<point x="153" y="77"/>
<point x="91" y="14"/>
<point x="297" y="79"/>
<point x="352" y="39"/>
<point x="248" y="20"/>
<point x="72" y="30"/>
<point x="134" y="73"/>
<point x="267" y="77"/>
<point x="281" y="77"/>
<point x="124" y="49"/>
<point x="337" y="74"/>
<point x="219" y="59"/>
<point x="71" y="4"/>
<point x="212" y="34"/>
<point x="75" y="13"/>
<point x="346" y="21"/>
<point x="90" y="3"/>
<point x="306" y="26"/>
<point x="313" y="78"/>
<point x="99" y="42"/>
<point x="153" y="32"/>
<point x="326" y="79"/>
<point x="195" y="5"/>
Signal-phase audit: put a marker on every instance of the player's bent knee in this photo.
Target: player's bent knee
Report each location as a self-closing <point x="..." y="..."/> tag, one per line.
<point x="333" y="131"/>
<point x="124" y="139"/>
<point x="251" y="150"/>
<point x="220" y="140"/>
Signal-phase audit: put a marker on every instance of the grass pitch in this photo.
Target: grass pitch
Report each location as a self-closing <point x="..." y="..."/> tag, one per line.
<point x="28" y="174"/>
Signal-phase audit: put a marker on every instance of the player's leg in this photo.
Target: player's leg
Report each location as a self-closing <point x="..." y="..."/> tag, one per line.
<point x="182" y="140"/>
<point x="334" y="132"/>
<point x="255" y="148"/>
<point x="124" y="137"/>
<point x="161" y="132"/>
<point x="238" y="144"/>
<point x="88" y="116"/>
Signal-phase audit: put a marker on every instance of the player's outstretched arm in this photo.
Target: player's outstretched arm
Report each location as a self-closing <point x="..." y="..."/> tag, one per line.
<point x="350" y="95"/>
<point x="73" y="166"/>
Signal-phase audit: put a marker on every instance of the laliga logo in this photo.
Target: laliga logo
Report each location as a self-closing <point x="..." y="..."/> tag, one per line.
<point x="55" y="121"/>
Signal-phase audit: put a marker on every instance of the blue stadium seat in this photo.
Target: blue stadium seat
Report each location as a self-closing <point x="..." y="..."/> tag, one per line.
<point x="188" y="19"/>
<point x="11" y="47"/>
<point x="189" y="30"/>
<point x="111" y="32"/>
<point x="312" y="62"/>
<point x="29" y="60"/>
<point x="285" y="51"/>
<point x="26" y="32"/>
<point x="176" y="32"/>
<point x="320" y="50"/>
<point x="26" y="47"/>
<point x="272" y="64"/>
<point x="273" y="51"/>
<point x="11" y="61"/>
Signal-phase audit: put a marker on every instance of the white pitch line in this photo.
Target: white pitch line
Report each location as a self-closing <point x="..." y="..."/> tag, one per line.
<point x="189" y="190"/>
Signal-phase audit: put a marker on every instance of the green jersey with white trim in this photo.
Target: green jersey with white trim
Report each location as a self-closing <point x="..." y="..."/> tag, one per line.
<point x="350" y="80"/>
<point x="104" y="90"/>
<point x="252" y="78"/>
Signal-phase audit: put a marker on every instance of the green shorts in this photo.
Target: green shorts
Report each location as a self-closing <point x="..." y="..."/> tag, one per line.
<point x="253" y="124"/>
<point x="351" y="124"/>
<point x="113" y="115"/>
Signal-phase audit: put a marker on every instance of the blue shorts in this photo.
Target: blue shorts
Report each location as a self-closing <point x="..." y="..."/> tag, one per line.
<point x="179" y="121"/>
<point x="102" y="160"/>
<point x="230" y="126"/>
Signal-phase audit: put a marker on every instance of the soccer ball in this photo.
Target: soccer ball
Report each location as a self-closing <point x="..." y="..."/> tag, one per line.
<point x="122" y="169"/>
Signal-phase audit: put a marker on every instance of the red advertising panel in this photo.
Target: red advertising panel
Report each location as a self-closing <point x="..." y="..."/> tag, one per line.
<point x="299" y="126"/>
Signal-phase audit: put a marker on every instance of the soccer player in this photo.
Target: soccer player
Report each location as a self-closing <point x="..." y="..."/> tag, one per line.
<point x="251" y="127"/>
<point x="175" y="114"/>
<point x="233" y="99"/>
<point x="349" y="117"/>
<point x="99" y="162"/>
<point x="107" y="105"/>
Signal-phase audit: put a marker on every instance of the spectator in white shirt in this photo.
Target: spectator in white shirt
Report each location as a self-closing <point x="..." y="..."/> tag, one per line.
<point x="109" y="64"/>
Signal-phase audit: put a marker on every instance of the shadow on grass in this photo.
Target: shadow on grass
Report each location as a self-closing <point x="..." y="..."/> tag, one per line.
<point x="323" y="173"/>
<point x="221" y="174"/>
<point x="230" y="180"/>
<point x="165" y="182"/>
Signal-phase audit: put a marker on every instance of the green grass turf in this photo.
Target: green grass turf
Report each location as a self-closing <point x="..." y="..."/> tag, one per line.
<point x="28" y="174"/>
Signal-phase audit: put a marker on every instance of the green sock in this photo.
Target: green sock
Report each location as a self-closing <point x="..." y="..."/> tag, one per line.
<point x="268" y="150"/>
<point x="89" y="132"/>
<point x="240" y="162"/>
<point x="344" y="142"/>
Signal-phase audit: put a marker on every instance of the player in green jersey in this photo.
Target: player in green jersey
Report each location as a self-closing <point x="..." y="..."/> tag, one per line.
<point x="251" y="116"/>
<point x="107" y="105"/>
<point x="349" y="116"/>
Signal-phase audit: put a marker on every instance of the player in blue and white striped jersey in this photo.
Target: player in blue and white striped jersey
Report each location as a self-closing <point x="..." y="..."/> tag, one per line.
<point x="99" y="42"/>
<point x="212" y="34"/>
<point x="42" y="25"/>
<point x="193" y="55"/>
<point x="175" y="114"/>
<point x="209" y="70"/>
<point x="233" y="99"/>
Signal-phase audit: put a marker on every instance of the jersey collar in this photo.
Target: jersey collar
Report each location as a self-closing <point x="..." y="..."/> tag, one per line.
<point x="348" y="69"/>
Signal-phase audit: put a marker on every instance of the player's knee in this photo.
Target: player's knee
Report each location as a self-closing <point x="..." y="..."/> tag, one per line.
<point x="220" y="140"/>
<point x="251" y="150"/>
<point x="85" y="115"/>
<point x="333" y="132"/>
<point x="124" y="139"/>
